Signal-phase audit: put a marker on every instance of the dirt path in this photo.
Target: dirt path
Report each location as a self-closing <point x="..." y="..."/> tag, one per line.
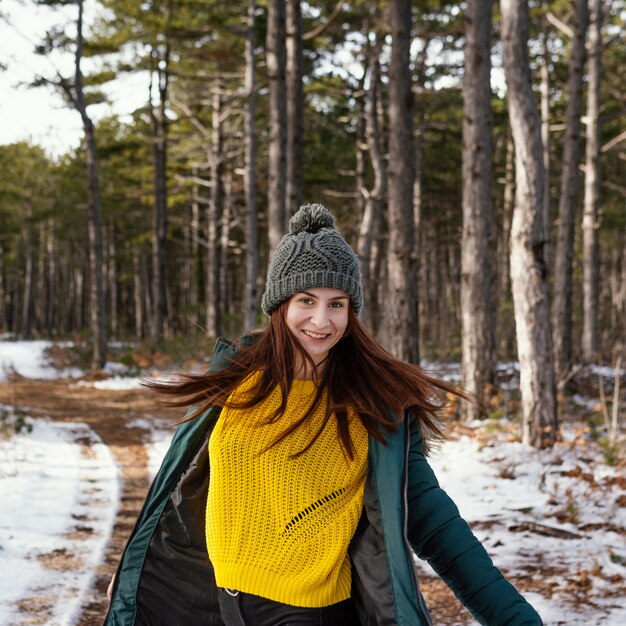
<point x="109" y="414"/>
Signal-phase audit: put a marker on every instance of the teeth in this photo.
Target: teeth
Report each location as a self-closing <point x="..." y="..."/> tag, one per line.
<point x="314" y="335"/>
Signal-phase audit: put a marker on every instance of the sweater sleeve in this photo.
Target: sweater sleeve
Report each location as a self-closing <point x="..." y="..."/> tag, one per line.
<point x="440" y="536"/>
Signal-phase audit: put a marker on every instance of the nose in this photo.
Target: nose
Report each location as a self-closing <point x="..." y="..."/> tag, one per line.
<point x="320" y="317"/>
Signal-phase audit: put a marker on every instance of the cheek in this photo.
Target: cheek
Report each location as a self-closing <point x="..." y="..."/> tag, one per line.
<point x="341" y="323"/>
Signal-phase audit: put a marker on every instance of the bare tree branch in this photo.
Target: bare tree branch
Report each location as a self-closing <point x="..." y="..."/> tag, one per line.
<point x="319" y="30"/>
<point x="562" y="26"/>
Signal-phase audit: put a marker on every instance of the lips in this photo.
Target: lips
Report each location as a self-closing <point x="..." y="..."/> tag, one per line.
<point x="314" y="335"/>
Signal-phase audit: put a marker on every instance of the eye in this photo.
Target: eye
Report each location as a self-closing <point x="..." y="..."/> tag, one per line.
<point x="306" y="301"/>
<point x="337" y="305"/>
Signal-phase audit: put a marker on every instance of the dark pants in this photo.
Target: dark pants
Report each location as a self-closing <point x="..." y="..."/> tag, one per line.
<point x="244" y="609"/>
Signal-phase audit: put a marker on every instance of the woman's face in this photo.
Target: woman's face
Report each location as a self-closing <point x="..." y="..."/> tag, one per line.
<point x="318" y="319"/>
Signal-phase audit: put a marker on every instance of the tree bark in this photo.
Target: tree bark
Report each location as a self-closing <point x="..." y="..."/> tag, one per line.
<point x="214" y="218"/>
<point x="508" y="200"/>
<point x="402" y="325"/>
<point x="374" y="198"/>
<point x="295" y="110"/>
<point x="225" y="294"/>
<point x="144" y="290"/>
<point x="591" y="204"/>
<point x="4" y="320"/>
<point x="29" y="276"/>
<point x="477" y="245"/>
<point x="42" y="282"/>
<point x="137" y="294"/>
<point x="275" y="45"/>
<point x="528" y="272"/>
<point x="96" y="256"/>
<point x="113" y="280"/>
<point x="252" y="221"/>
<point x="544" y="89"/>
<point x="159" y="129"/>
<point x="568" y="197"/>
<point x="52" y="311"/>
<point x="78" y="287"/>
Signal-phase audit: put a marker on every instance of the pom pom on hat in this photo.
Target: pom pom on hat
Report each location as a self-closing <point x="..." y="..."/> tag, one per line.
<point x="311" y="218"/>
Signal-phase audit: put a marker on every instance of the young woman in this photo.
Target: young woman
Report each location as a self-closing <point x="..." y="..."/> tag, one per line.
<point x="297" y="489"/>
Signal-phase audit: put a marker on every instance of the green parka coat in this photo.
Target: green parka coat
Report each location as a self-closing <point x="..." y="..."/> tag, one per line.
<point x="166" y="579"/>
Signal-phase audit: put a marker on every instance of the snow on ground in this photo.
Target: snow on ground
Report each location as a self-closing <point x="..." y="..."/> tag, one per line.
<point x="114" y="383"/>
<point x="59" y="492"/>
<point x="557" y="515"/>
<point x="27" y="359"/>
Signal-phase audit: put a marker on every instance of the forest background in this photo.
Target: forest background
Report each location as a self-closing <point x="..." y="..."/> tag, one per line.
<point x="473" y="153"/>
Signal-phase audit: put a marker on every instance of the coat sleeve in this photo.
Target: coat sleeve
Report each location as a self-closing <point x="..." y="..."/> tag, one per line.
<point x="440" y="536"/>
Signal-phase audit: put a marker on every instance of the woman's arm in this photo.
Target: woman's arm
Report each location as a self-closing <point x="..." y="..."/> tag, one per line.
<point x="440" y="536"/>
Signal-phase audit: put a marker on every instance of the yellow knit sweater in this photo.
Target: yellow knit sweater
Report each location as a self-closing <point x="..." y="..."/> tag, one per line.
<point x="279" y="527"/>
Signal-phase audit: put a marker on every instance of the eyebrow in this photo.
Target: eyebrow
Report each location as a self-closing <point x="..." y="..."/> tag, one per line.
<point x="312" y="295"/>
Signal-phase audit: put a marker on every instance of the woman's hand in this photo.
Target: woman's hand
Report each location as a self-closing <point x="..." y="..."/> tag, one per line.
<point x="110" y="588"/>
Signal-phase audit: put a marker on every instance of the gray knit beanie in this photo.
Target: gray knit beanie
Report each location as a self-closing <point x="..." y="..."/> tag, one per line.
<point x="313" y="254"/>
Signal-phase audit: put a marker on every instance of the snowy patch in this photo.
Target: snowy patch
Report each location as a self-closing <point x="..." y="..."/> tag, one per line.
<point x="59" y="491"/>
<point x="117" y="383"/>
<point x="26" y="358"/>
<point x="588" y="403"/>
<point x="448" y="371"/>
<point x="557" y="515"/>
<point x="111" y="367"/>
<point x="606" y="372"/>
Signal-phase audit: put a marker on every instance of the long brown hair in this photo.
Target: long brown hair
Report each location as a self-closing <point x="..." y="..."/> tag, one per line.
<point x="358" y="373"/>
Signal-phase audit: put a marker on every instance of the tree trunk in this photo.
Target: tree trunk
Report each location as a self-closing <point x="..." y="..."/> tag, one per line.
<point x="568" y="197"/>
<point x="225" y="294"/>
<point x="528" y="272"/>
<point x="186" y="271"/>
<point x="4" y="321"/>
<point x="146" y="296"/>
<point x="29" y="276"/>
<point x="252" y="221"/>
<point x="508" y="200"/>
<point x="113" y="280"/>
<point x="421" y="69"/>
<point x="477" y="246"/>
<point x="544" y="89"/>
<point x="195" y="260"/>
<point x="53" y="286"/>
<point x="295" y="110"/>
<point x="418" y="185"/>
<point x="275" y="44"/>
<point x="159" y="130"/>
<point x="617" y="291"/>
<point x="373" y="198"/>
<point x="137" y="294"/>
<point x="402" y="327"/>
<point x="79" y="298"/>
<point x="96" y="256"/>
<point x="214" y="217"/>
<point x="591" y="205"/>
<point x="41" y="301"/>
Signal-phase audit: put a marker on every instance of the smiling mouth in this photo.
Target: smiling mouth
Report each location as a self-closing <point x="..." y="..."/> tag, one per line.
<point x="313" y="335"/>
